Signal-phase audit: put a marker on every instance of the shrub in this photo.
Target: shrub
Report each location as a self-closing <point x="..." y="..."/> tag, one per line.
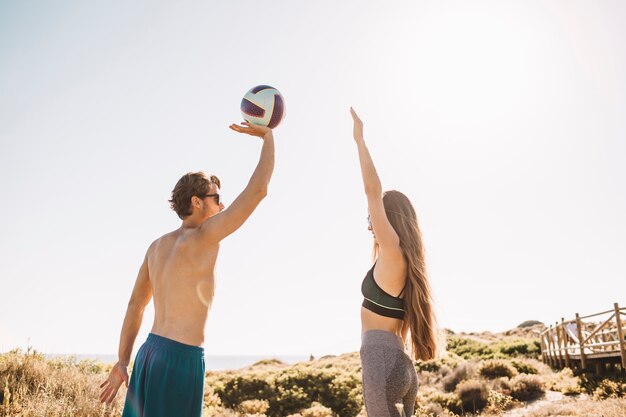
<point x="473" y="395"/>
<point x="501" y="385"/>
<point x="469" y="348"/>
<point x="609" y="389"/>
<point x="211" y="399"/>
<point x="473" y="349"/>
<point x="435" y="365"/>
<point x="448" y="401"/>
<point x="458" y="374"/>
<point x="289" y="390"/>
<point x="254" y="406"/>
<point x="591" y="382"/>
<point x="524" y="368"/>
<point x="528" y="347"/>
<point x="242" y="388"/>
<point x="317" y="410"/>
<point x="498" y="402"/>
<point x="564" y="381"/>
<point x="529" y="323"/>
<point x="430" y="409"/>
<point x="429" y="366"/>
<point x="268" y="362"/>
<point x="527" y="387"/>
<point x="496" y="368"/>
<point x="343" y="392"/>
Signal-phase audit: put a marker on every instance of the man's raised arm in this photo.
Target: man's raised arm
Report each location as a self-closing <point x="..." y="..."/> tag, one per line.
<point x="226" y="222"/>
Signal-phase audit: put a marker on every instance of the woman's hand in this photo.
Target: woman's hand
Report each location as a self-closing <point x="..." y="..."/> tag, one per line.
<point x="357" y="131"/>
<point x="119" y="374"/>
<point x="250" y="129"/>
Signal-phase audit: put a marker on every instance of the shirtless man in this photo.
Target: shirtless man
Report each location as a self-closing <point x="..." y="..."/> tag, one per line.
<point x="178" y="271"/>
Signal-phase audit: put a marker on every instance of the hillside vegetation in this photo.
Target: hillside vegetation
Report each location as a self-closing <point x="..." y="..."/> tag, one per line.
<point x="482" y="374"/>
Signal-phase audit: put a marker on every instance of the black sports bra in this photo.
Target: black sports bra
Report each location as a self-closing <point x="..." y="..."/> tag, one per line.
<point x="377" y="300"/>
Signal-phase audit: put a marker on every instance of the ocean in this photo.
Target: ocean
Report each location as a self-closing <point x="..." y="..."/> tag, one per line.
<point x="212" y="362"/>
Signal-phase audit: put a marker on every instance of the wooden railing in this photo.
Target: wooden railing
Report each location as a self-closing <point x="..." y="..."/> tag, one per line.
<point x="580" y="341"/>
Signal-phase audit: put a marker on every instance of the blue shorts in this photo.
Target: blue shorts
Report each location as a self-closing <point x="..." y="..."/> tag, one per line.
<point x="167" y="380"/>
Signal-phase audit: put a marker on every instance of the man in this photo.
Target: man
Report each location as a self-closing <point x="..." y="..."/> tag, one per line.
<point x="168" y="374"/>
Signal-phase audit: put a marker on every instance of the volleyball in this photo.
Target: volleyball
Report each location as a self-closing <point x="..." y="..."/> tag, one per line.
<point x="263" y="105"/>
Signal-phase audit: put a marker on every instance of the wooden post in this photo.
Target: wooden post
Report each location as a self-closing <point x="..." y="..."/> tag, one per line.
<point x="559" y="344"/>
<point x="551" y="348"/>
<point x="620" y="335"/>
<point x="565" y="341"/>
<point x="583" y="358"/>
<point x="599" y="366"/>
<point x="549" y="357"/>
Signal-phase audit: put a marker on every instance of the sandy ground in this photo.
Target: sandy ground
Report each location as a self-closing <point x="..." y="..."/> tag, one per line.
<point x="549" y="398"/>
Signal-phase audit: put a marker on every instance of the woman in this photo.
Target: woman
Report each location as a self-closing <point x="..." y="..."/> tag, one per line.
<point x="397" y="297"/>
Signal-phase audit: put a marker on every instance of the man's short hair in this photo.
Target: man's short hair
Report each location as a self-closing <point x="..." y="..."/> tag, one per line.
<point x="190" y="184"/>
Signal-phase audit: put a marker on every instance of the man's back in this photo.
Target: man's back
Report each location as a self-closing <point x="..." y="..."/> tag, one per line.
<point x="181" y="270"/>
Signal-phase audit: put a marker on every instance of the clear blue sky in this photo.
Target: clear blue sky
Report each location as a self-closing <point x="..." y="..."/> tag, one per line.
<point x="503" y="121"/>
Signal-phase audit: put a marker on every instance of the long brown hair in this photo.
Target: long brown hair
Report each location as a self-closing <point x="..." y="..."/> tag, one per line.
<point x="418" y="302"/>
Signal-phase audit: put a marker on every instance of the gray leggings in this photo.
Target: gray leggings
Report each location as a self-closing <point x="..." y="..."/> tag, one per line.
<point x="389" y="376"/>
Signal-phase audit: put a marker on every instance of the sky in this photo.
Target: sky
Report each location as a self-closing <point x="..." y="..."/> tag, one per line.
<point x="503" y="121"/>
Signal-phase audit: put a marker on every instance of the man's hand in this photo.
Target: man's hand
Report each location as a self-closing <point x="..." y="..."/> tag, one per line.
<point x="357" y="131"/>
<point x="250" y="129"/>
<point x="118" y="374"/>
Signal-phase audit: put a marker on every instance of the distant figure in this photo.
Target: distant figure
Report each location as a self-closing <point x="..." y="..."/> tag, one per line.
<point x="397" y="297"/>
<point x="311" y="358"/>
<point x="178" y="270"/>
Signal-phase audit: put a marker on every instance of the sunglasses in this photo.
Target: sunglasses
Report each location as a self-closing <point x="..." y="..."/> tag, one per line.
<point x="216" y="196"/>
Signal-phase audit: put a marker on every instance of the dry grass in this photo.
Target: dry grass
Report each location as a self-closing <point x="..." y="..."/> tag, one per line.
<point x="33" y="386"/>
<point x="583" y="408"/>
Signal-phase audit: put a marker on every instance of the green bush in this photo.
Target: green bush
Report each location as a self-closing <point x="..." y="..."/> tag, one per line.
<point x="429" y="366"/>
<point x="529" y="323"/>
<point x="435" y="365"/>
<point x="291" y="390"/>
<point x="496" y="368"/>
<point x="472" y="349"/>
<point x="245" y="387"/>
<point x="527" y="387"/>
<point x="473" y="395"/>
<point x="296" y="391"/>
<point x="524" y="368"/>
<point x="609" y="389"/>
<point x="529" y="347"/>
<point x="469" y="348"/>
